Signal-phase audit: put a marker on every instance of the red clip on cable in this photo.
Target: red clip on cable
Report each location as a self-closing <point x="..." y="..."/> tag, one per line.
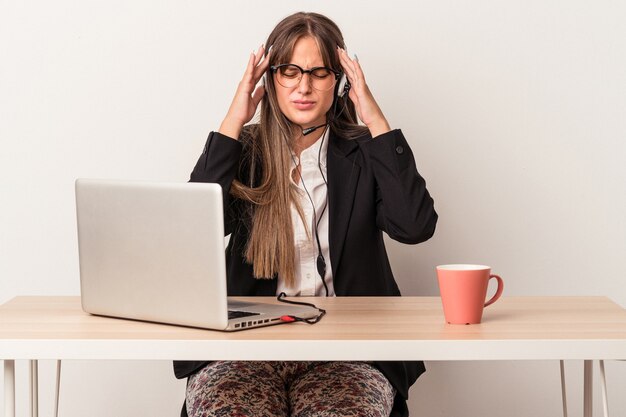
<point x="287" y="319"/>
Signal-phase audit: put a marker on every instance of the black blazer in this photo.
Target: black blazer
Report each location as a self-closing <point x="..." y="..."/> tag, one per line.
<point x="373" y="187"/>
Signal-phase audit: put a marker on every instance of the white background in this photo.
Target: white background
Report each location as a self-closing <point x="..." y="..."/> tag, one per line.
<point x="515" y="111"/>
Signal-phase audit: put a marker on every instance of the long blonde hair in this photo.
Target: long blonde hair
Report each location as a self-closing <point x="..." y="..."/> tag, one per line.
<point x="270" y="248"/>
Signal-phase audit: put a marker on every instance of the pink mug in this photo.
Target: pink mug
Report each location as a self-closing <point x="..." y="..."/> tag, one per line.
<point x="463" y="290"/>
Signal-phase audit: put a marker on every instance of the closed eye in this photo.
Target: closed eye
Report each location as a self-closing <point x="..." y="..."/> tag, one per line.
<point x="321" y="73"/>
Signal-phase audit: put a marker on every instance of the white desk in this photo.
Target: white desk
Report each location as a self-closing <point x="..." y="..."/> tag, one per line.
<point x="355" y="328"/>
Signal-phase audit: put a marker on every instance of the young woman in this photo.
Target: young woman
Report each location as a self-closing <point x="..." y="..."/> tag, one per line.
<point x="307" y="194"/>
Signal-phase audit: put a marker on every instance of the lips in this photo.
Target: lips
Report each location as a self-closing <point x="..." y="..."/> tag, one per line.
<point x="303" y="104"/>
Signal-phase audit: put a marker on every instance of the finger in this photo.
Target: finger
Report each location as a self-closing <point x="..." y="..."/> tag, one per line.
<point x="358" y="69"/>
<point x="347" y="62"/>
<point x="355" y="98"/>
<point x="258" y="95"/>
<point x="357" y="73"/>
<point x="261" y="68"/>
<point x="244" y="85"/>
<point x="249" y="67"/>
<point x="255" y="57"/>
<point x="342" y="60"/>
<point x="258" y="55"/>
<point x="261" y="63"/>
<point x="350" y="70"/>
<point x="357" y="76"/>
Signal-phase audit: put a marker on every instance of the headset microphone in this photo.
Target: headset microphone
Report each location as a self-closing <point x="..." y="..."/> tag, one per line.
<point x="311" y="129"/>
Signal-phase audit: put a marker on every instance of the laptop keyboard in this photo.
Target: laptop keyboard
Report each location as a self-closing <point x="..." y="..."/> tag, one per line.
<point x="233" y="314"/>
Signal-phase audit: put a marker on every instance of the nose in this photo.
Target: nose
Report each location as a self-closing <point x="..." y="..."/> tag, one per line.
<point x="304" y="86"/>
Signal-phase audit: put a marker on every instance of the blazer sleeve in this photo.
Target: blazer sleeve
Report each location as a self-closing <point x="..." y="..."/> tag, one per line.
<point x="219" y="163"/>
<point x="404" y="208"/>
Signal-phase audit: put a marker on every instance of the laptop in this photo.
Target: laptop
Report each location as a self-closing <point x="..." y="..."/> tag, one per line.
<point x="155" y="251"/>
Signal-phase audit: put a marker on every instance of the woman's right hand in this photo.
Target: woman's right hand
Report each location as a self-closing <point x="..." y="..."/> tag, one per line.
<point x="247" y="98"/>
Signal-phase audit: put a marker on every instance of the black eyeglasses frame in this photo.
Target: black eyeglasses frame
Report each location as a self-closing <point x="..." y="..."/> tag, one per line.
<point x="275" y="68"/>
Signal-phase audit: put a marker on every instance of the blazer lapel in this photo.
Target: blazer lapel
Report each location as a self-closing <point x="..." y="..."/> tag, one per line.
<point x="343" y="176"/>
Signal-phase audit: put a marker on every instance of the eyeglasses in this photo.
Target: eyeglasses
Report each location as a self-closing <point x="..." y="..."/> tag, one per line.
<point x="289" y="76"/>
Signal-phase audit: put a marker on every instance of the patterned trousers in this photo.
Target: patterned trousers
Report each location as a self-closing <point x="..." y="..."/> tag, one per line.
<point x="302" y="389"/>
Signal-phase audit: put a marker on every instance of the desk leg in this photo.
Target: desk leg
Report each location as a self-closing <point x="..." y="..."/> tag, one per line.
<point x="34" y="388"/>
<point x="588" y="391"/>
<point x="563" y="389"/>
<point x="57" y="389"/>
<point x="9" y="388"/>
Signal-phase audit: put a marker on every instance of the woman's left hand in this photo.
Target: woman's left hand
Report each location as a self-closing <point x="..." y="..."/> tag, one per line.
<point x="366" y="107"/>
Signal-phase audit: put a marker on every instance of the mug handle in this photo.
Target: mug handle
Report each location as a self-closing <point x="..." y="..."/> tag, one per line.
<point x="498" y="291"/>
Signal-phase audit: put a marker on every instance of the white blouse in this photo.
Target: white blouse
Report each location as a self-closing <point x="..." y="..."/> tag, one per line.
<point x="307" y="279"/>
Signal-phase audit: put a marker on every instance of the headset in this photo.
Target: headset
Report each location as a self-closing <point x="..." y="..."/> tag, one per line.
<point x="343" y="87"/>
